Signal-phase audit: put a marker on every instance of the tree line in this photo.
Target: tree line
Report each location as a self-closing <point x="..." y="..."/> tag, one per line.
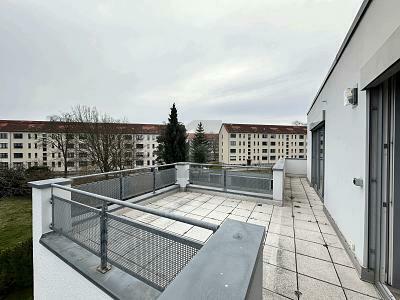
<point x="102" y="140"/>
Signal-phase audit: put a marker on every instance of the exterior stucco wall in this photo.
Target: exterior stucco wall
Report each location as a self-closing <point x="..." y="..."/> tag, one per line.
<point x="53" y="278"/>
<point x="346" y="128"/>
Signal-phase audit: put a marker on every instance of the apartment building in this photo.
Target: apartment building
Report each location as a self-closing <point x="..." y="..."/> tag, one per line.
<point x="248" y="144"/>
<point x="23" y="144"/>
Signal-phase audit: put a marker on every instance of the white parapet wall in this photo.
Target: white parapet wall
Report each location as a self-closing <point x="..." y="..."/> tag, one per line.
<point x="278" y="177"/>
<point x="182" y="174"/>
<point x="53" y="278"/>
<point x="296" y="166"/>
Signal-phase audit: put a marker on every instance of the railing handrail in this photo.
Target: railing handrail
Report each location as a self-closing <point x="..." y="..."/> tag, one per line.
<point x="153" y="211"/>
<point x="120" y="171"/>
<point x="225" y="165"/>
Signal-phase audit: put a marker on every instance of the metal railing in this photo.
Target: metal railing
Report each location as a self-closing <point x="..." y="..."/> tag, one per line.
<point x="153" y="255"/>
<point x="126" y="184"/>
<point x="252" y="179"/>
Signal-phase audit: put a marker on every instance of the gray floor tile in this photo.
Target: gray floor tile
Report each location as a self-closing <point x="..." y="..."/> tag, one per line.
<point x="281" y="229"/>
<point x="317" y="268"/>
<point x="351" y="280"/>
<point x="312" y="249"/>
<point x="306" y="225"/>
<point x="308" y="235"/>
<point x="280" y="281"/>
<point x="268" y="295"/>
<point x="279" y="257"/>
<point x="351" y="295"/>
<point x="315" y="289"/>
<point x="332" y="240"/>
<point x="340" y="256"/>
<point x="280" y="241"/>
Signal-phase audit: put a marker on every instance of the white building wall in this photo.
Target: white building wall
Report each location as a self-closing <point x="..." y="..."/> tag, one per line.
<point x="346" y="136"/>
<point x="53" y="278"/>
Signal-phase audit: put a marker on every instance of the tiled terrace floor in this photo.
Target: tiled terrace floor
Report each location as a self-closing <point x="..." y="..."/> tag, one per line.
<point x="303" y="257"/>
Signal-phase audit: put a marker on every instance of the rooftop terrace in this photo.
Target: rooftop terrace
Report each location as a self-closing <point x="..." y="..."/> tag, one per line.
<point x="159" y="239"/>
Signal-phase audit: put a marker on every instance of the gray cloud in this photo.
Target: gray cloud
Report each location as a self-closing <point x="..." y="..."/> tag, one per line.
<point x="239" y="61"/>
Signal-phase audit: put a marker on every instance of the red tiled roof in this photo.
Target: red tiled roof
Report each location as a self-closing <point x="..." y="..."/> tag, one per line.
<point x="257" y="128"/>
<point x="47" y="127"/>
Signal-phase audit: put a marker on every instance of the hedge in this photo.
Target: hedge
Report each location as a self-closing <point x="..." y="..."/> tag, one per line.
<point x="16" y="267"/>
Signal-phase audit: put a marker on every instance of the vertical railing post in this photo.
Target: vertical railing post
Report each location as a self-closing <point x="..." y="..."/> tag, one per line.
<point x="154" y="180"/>
<point x="224" y="178"/>
<point x="121" y="187"/>
<point x="104" y="267"/>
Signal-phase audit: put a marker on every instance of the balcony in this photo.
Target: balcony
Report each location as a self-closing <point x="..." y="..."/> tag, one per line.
<point x="190" y="231"/>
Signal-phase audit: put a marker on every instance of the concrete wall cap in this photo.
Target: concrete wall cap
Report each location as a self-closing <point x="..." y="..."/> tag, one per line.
<point x="44" y="184"/>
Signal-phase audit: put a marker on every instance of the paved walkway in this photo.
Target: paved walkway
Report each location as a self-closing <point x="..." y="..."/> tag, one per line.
<point x="303" y="257"/>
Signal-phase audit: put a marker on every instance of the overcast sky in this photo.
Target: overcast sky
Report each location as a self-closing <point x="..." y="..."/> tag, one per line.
<point x="238" y="61"/>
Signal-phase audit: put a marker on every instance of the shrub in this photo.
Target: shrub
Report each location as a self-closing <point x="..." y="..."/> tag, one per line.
<point x="13" y="182"/>
<point x="16" y="267"/>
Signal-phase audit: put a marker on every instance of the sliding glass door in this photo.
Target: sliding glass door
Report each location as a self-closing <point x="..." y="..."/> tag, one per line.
<point x="318" y="159"/>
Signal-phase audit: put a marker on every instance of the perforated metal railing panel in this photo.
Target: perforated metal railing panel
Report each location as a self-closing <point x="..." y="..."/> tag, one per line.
<point x="125" y="185"/>
<point x="165" y="178"/>
<point x="150" y="254"/>
<point x="206" y="176"/>
<point x="154" y="256"/>
<point x="248" y="181"/>
<point x="77" y="222"/>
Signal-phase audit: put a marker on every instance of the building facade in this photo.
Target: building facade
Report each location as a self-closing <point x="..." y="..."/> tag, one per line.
<point x="353" y="142"/>
<point x="247" y="144"/>
<point x="23" y="145"/>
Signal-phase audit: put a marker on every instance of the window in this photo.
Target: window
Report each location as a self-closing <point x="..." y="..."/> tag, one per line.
<point x="35" y="155"/>
<point x="301" y="143"/>
<point x="29" y="136"/>
<point x="29" y="145"/>
<point x="301" y="136"/>
<point x="3" y="135"/>
<point x="83" y="163"/>
<point x="18" y="155"/>
<point x="70" y="146"/>
<point x="53" y="164"/>
<point x="3" y="145"/>
<point x="264" y="157"/>
<point x="232" y="158"/>
<point x="264" y="143"/>
<point x="70" y="154"/>
<point x="273" y="157"/>
<point x="273" y="136"/>
<point x="29" y="164"/>
<point x="29" y="155"/>
<point x="3" y="155"/>
<point x="301" y="150"/>
<point x="232" y="150"/>
<point x="233" y="143"/>
<point x="18" y="135"/>
<point x="18" y="146"/>
<point x="264" y="150"/>
<point x="70" y="164"/>
<point x="233" y="135"/>
<point x="264" y="136"/>
<point x="273" y="143"/>
<point x="3" y="165"/>
<point x="59" y="164"/>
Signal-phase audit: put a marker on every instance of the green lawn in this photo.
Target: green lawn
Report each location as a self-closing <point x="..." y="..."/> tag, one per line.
<point x="15" y="221"/>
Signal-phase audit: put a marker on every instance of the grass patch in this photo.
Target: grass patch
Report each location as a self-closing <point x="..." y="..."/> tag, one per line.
<point x="15" y="221"/>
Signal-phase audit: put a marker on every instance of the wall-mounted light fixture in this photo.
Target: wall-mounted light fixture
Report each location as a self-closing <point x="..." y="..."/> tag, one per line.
<point x="351" y="96"/>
